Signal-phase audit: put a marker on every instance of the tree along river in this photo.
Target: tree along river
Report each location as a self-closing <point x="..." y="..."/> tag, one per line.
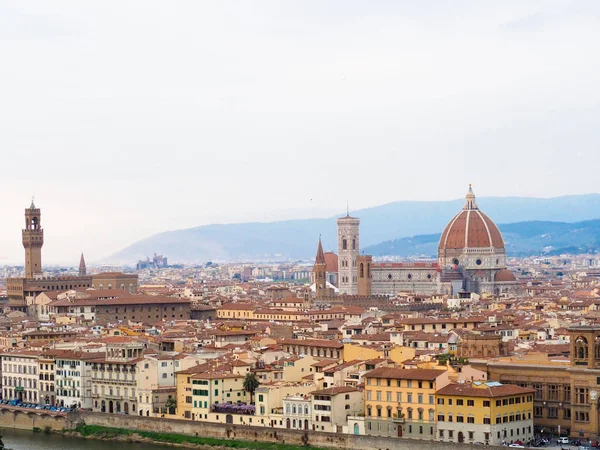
<point x="28" y="440"/>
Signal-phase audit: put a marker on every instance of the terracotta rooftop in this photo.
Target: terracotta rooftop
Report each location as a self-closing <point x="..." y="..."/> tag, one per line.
<point x="471" y="228"/>
<point x="404" y="374"/>
<point x="484" y="390"/>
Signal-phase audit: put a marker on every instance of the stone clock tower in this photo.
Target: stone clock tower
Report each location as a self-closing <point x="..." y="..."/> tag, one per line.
<point x="33" y="240"/>
<point x="348" y="250"/>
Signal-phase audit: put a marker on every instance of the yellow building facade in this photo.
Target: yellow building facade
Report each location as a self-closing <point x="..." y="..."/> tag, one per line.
<point x="401" y="402"/>
<point x="484" y="412"/>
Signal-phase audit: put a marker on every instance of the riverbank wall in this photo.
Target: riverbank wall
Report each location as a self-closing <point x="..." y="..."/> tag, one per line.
<point x="30" y="419"/>
<point x="23" y="419"/>
<point x="258" y="434"/>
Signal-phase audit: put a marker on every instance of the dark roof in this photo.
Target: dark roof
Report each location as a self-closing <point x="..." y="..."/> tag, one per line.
<point x="404" y="374"/>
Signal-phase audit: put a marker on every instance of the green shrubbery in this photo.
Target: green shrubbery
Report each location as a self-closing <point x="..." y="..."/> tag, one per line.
<point x="171" y="438"/>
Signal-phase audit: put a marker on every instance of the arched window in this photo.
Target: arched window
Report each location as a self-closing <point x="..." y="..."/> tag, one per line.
<point x="344" y="244"/>
<point x="353" y="244"/>
<point x="294" y="409"/>
<point x="287" y="409"/>
<point x="581" y="348"/>
<point x="362" y="270"/>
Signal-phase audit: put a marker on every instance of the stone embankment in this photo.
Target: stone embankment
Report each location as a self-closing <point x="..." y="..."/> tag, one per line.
<point x="27" y="419"/>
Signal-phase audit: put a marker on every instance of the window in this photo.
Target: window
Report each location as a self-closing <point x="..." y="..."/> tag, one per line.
<point x="486" y="403"/>
<point x="470" y="402"/>
<point x="460" y="419"/>
<point x="470" y="419"/>
<point x="459" y="402"/>
<point x="440" y="401"/>
<point x="582" y="396"/>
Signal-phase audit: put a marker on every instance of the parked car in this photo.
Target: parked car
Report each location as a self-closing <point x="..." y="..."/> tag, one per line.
<point x="563" y="440"/>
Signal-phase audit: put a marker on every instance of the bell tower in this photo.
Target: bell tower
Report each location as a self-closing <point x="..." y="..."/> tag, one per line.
<point x="320" y="273"/>
<point x="348" y="250"/>
<point x="33" y="240"/>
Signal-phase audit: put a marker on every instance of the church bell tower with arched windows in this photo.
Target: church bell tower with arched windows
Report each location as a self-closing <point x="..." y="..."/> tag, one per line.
<point x="348" y="250"/>
<point x="33" y="240"/>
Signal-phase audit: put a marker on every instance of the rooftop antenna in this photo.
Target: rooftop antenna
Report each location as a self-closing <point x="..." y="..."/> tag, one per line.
<point x="347" y="209"/>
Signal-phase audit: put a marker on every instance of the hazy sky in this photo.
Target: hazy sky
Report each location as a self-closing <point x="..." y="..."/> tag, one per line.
<point x="126" y="118"/>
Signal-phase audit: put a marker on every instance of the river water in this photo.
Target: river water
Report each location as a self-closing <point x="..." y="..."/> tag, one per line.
<point x="28" y="440"/>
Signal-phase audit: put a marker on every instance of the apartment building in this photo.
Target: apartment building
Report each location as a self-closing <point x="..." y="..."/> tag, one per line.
<point x="486" y="412"/>
<point x="20" y="376"/>
<point x="401" y="402"/>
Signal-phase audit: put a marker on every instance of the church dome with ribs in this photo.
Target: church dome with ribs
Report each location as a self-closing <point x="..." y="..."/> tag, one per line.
<point x="471" y="229"/>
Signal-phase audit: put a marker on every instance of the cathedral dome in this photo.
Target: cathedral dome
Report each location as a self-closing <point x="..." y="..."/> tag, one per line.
<point x="471" y="229"/>
<point x="505" y="276"/>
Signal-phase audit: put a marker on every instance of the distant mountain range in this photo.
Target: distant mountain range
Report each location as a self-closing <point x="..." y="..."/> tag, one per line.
<point x="381" y="227"/>
<point x="521" y="239"/>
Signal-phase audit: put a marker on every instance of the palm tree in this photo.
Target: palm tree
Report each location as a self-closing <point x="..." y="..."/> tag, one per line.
<point x="250" y="384"/>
